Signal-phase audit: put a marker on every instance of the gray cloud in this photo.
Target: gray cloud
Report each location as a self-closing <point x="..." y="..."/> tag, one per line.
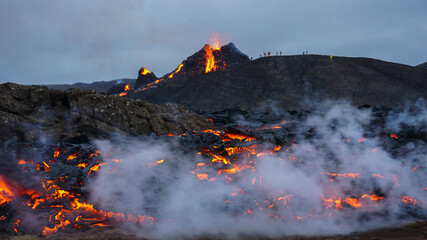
<point x="83" y="41"/>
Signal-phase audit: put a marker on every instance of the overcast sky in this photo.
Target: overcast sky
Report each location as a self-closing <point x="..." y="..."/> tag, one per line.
<point x="63" y="41"/>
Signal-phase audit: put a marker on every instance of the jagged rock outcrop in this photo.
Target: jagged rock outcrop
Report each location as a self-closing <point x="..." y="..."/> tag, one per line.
<point x="35" y="113"/>
<point x="144" y="77"/>
<point x="291" y="80"/>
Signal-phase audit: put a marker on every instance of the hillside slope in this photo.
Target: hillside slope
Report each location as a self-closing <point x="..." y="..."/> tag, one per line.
<point x="290" y="80"/>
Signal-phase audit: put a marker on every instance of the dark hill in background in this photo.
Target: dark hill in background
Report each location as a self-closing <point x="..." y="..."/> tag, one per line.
<point x="422" y="65"/>
<point x="101" y="86"/>
<point x="290" y="80"/>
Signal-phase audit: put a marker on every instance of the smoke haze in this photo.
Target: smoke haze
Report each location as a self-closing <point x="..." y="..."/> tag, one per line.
<point x="286" y="192"/>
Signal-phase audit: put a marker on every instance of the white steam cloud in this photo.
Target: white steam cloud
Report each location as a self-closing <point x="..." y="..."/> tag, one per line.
<point x="284" y="194"/>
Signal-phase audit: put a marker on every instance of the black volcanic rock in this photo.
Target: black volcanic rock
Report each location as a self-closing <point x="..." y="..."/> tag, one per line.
<point x="34" y="112"/>
<point x="291" y="80"/>
<point x="144" y="77"/>
<point x="229" y="56"/>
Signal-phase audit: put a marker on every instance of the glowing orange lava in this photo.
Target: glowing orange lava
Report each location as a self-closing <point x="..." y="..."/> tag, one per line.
<point x="210" y="60"/>
<point x="408" y="200"/>
<point x="156" y="163"/>
<point x="145" y="71"/>
<point x="177" y="70"/>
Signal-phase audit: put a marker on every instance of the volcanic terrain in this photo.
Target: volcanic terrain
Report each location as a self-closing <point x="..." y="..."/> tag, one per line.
<point x="281" y="146"/>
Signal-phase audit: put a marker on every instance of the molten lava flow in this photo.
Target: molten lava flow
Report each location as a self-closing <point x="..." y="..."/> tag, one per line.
<point x="16" y="224"/>
<point x="219" y="158"/>
<point x="156" y="163"/>
<point x="10" y="190"/>
<point x="22" y="161"/>
<point x="237" y="136"/>
<point x="204" y="176"/>
<point x="6" y="195"/>
<point x="168" y="134"/>
<point x="74" y="217"/>
<point x="373" y="197"/>
<point x="95" y="168"/>
<point x="234" y="157"/>
<point x="215" y="132"/>
<point x="144" y="71"/>
<point x="354" y="202"/>
<point x="72" y="156"/>
<point x="56" y="153"/>
<point x="210" y="60"/>
<point x="345" y="175"/>
<point x="64" y="207"/>
<point x="408" y="200"/>
<point x="177" y="70"/>
<point x="126" y="89"/>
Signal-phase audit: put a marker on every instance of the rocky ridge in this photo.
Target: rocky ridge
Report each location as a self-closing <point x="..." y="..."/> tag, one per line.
<point x="31" y="113"/>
